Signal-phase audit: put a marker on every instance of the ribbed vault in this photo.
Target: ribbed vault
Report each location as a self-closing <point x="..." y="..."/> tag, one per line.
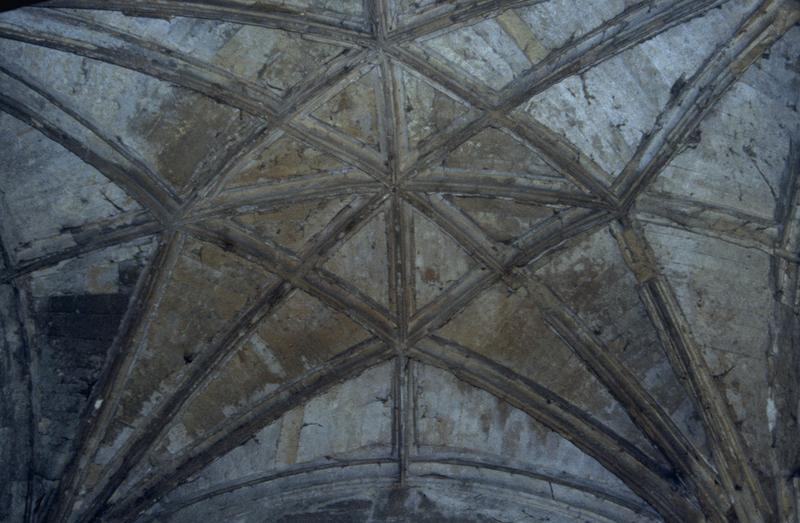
<point x="334" y="260"/>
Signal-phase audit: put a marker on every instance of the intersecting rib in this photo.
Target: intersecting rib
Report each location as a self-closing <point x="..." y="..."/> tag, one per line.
<point x="686" y="357"/>
<point x="23" y="99"/>
<point x="694" y="100"/>
<point x="334" y="27"/>
<point x="616" y="454"/>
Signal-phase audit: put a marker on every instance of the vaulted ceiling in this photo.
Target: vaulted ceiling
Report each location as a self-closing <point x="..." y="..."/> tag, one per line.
<point x="394" y="260"/>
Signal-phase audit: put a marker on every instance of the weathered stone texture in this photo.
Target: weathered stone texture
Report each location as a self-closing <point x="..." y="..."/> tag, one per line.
<point x="76" y="310"/>
<point x="729" y="309"/>
<point x="363" y="260"/>
<point x="399" y="260"/>
<point x="607" y="110"/>
<point x="594" y="281"/>
<point x="47" y="194"/>
<point x="354" y="110"/>
<point x="439" y="260"/>
<point x="427" y="110"/>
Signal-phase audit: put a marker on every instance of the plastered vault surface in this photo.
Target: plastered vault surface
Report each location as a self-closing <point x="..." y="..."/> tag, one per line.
<point x="394" y="260"/>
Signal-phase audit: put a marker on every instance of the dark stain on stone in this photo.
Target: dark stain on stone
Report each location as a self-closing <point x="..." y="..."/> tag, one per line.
<point x="694" y="139"/>
<point x="486" y="422"/>
<point x="85" y="317"/>
<point x="74" y="334"/>
<point x="129" y="273"/>
<point x="677" y="87"/>
<point x="429" y="275"/>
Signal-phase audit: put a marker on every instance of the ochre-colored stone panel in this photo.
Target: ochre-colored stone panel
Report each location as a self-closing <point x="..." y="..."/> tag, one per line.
<point x="207" y="289"/>
<point x="508" y="327"/>
<point x="285" y="158"/>
<point x="503" y="220"/>
<point x="293" y="226"/>
<point x="354" y="110"/>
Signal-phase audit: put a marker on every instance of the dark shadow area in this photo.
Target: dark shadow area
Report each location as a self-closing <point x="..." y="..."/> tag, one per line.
<point x="8" y="5"/>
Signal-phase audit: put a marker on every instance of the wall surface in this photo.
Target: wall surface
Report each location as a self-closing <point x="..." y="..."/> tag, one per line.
<point x="394" y="260"/>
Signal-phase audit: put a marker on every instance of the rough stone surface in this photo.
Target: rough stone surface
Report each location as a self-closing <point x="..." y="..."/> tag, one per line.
<point x="400" y="260"/>
<point x="608" y="109"/>
<point x="47" y="193"/>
